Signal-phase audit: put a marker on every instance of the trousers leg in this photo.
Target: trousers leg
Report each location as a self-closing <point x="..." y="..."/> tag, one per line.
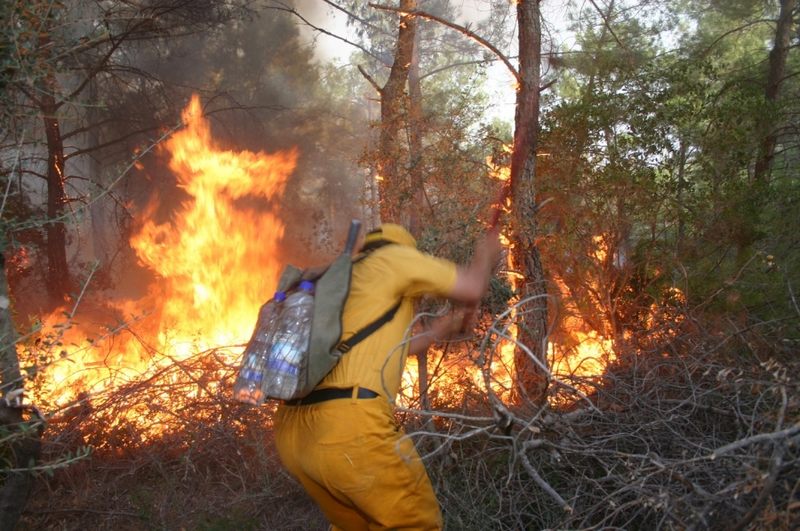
<point x="357" y="464"/>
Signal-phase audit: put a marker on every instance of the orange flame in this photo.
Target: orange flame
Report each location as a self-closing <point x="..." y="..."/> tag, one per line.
<point x="218" y="258"/>
<point x="587" y="352"/>
<point x="215" y="260"/>
<point x="502" y="372"/>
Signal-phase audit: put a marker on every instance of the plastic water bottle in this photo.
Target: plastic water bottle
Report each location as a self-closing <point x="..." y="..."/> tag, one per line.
<point x="290" y="342"/>
<point x="254" y="359"/>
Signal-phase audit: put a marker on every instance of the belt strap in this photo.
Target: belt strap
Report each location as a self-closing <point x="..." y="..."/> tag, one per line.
<point x="322" y="395"/>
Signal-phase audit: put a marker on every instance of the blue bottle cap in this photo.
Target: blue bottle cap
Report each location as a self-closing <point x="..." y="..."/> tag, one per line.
<point x="306" y="285"/>
<point x="279" y="296"/>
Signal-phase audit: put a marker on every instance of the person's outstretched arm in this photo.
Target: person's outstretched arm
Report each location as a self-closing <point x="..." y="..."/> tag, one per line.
<point x="470" y="285"/>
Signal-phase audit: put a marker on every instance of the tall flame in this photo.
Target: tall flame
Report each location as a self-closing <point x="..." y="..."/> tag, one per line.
<point x="216" y="256"/>
<point x="214" y="259"/>
<point x="502" y="373"/>
<point x="589" y="352"/>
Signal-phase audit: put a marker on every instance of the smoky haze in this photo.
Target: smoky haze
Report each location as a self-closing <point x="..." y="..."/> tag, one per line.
<point x="263" y="89"/>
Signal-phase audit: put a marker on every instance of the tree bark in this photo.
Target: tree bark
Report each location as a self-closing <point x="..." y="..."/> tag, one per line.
<point x="777" y="71"/>
<point x="682" y="186"/>
<point x="415" y="155"/>
<point x="10" y="376"/>
<point x="58" y="282"/>
<point x="417" y="182"/>
<point x="393" y="185"/>
<point x="532" y="321"/>
<point x="22" y="445"/>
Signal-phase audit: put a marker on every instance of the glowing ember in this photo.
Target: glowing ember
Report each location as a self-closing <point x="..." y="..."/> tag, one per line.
<point x="215" y="259"/>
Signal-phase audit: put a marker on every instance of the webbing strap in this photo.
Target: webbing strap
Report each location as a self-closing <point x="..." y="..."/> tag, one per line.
<point x="365" y="332"/>
<point x="361" y="335"/>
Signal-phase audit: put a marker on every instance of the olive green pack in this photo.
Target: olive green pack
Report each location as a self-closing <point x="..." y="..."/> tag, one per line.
<point x="331" y="288"/>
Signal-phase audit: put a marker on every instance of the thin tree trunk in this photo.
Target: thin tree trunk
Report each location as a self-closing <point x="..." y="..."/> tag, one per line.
<point x="10" y="378"/>
<point x="777" y="70"/>
<point x="393" y="185"/>
<point x="101" y="223"/>
<point x="532" y="322"/>
<point x="416" y="166"/>
<point x="681" y="233"/>
<point x="417" y="181"/>
<point x="58" y="281"/>
<point x="422" y="365"/>
<point x="23" y="446"/>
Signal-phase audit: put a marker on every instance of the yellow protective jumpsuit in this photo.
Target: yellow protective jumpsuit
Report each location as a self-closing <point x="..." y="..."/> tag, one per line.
<point x="350" y="454"/>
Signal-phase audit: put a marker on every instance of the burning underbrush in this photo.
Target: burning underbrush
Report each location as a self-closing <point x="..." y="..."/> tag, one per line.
<point x="692" y="429"/>
<point x="689" y="430"/>
<point x="170" y="450"/>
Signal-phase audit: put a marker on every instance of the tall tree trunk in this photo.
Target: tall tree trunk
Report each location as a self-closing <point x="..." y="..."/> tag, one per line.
<point x="393" y="186"/>
<point x="777" y="70"/>
<point x="415" y="156"/>
<point x="681" y="189"/>
<point x="10" y="378"/>
<point x="417" y="182"/>
<point x="58" y="282"/>
<point x="99" y="211"/>
<point x="532" y="322"/>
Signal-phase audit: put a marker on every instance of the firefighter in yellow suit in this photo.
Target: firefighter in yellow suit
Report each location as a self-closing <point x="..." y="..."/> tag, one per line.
<point x="342" y="441"/>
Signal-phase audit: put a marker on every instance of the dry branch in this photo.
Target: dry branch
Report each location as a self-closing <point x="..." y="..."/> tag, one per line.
<point x="633" y="452"/>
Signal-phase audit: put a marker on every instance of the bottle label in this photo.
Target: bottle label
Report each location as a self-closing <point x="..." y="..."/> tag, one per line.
<point x="283" y="367"/>
<point x="252" y="375"/>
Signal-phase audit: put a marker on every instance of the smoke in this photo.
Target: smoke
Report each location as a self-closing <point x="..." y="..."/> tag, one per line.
<point x="262" y="88"/>
<point x="326" y="48"/>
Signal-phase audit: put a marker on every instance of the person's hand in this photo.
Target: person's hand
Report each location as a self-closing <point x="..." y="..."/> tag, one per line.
<point x="472" y="281"/>
<point x="455" y="325"/>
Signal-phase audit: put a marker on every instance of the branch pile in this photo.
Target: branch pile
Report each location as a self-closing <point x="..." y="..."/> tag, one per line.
<point x="690" y="431"/>
<point x="697" y="432"/>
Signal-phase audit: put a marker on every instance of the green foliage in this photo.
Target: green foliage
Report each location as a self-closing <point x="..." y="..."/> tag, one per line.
<point x="655" y="151"/>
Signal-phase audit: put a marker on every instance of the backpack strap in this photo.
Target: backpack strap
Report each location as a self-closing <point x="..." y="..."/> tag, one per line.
<point x="361" y="335"/>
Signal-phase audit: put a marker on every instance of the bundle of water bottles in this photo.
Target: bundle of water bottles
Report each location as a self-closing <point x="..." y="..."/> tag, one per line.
<point x="272" y="361"/>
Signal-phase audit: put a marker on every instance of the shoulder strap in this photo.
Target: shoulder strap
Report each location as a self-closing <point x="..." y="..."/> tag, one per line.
<point x="361" y="335"/>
